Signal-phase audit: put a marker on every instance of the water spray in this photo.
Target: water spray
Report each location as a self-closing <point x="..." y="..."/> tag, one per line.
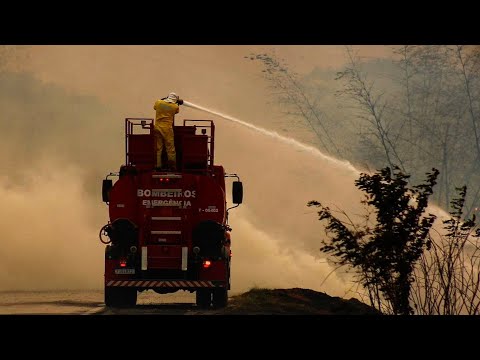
<point x="312" y="150"/>
<point x="277" y="136"/>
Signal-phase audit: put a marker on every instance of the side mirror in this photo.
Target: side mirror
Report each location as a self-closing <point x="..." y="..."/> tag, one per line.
<point x="106" y="187"/>
<point x="237" y="192"/>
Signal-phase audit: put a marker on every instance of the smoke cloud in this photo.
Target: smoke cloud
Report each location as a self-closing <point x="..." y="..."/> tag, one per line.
<point x="68" y="134"/>
<point x="47" y="242"/>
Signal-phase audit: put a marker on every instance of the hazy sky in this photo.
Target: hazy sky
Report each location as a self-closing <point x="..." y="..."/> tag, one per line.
<point x="130" y="77"/>
<point x="51" y="220"/>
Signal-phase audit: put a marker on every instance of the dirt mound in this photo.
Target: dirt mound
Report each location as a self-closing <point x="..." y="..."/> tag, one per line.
<point x="294" y="301"/>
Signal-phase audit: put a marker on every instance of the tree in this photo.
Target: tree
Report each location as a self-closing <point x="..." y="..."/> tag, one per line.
<point x="383" y="252"/>
<point x="293" y="94"/>
<point x="427" y="115"/>
<point x="448" y="277"/>
<point x="419" y="109"/>
<point x="437" y="106"/>
<point x="372" y="109"/>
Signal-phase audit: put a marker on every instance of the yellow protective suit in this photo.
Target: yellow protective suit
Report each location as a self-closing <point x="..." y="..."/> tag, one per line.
<point x="163" y="130"/>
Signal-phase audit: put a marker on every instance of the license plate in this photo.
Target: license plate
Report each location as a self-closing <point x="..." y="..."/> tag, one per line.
<point x="124" y="271"/>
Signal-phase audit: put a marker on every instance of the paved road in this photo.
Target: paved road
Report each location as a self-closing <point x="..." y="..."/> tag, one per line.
<point x="91" y="302"/>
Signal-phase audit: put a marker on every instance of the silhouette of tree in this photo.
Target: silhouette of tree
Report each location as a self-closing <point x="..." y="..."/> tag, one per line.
<point x="384" y="252"/>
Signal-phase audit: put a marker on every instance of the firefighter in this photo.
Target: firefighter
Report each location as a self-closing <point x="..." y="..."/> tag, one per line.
<point x="166" y="109"/>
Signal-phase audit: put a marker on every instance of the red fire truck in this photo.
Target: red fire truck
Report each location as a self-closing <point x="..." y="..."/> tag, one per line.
<point x="168" y="230"/>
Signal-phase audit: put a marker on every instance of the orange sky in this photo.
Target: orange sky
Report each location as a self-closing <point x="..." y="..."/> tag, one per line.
<point x="130" y="78"/>
<point x="275" y="237"/>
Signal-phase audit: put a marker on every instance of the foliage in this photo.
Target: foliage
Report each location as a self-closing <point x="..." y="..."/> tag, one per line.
<point x="448" y="277"/>
<point x="384" y="254"/>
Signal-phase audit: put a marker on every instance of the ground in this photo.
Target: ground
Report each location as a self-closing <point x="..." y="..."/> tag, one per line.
<point x="294" y="301"/>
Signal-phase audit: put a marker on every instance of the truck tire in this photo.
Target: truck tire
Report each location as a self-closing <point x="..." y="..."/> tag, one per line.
<point x="220" y="297"/>
<point x="120" y="297"/>
<point x="203" y="298"/>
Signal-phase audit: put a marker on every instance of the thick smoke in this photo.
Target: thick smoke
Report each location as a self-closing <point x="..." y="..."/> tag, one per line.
<point x="71" y="134"/>
<point x="260" y="260"/>
<point x="47" y="242"/>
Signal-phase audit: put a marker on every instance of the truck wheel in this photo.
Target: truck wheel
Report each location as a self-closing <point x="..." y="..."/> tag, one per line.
<point x="120" y="297"/>
<point x="220" y="297"/>
<point x="203" y="298"/>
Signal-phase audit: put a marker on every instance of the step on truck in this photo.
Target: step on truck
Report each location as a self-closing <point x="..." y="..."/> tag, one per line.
<point x="168" y="230"/>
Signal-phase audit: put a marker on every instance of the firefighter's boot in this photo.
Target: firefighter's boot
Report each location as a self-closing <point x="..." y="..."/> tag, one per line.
<point x="171" y="165"/>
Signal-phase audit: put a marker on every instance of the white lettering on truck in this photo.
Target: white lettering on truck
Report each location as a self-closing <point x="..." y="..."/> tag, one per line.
<point x="166" y="193"/>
